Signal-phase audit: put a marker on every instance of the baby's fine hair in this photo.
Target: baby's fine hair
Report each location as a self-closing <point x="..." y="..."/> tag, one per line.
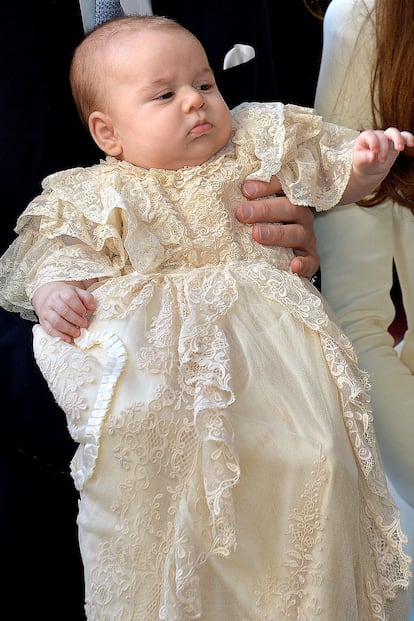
<point x="88" y="70"/>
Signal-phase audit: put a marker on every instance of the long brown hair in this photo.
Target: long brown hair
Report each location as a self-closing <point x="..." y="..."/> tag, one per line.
<point x="316" y="7"/>
<point x="392" y="90"/>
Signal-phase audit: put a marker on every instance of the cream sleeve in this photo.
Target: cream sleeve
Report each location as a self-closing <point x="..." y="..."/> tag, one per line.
<point x="357" y="247"/>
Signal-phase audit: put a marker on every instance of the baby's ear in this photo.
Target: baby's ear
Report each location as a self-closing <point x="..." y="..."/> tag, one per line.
<point x="104" y="133"/>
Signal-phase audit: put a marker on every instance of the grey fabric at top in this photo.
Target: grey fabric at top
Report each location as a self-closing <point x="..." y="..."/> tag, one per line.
<point x="107" y="9"/>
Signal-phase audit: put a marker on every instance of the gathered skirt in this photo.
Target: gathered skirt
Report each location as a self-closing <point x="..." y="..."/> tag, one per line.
<point x="227" y="464"/>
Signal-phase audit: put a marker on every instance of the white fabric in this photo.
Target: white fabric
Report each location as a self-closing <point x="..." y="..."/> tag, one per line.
<point x="238" y="55"/>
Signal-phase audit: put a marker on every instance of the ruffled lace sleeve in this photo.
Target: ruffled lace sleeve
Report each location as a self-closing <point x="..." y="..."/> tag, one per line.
<point x="72" y="231"/>
<point x="312" y="159"/>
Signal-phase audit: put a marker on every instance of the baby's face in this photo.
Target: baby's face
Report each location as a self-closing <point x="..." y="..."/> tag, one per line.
<point x="164" y="103"/>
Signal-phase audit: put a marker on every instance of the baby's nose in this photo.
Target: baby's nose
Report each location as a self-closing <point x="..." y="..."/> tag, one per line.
<point x="193" y="99"/>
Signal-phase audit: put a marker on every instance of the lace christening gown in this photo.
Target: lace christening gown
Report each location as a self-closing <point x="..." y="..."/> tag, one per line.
<point x="227" y="465"/>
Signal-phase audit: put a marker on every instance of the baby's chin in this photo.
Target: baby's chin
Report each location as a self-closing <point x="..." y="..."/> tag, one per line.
<point x="195" y="155"/>
<point x="197" y="160"/>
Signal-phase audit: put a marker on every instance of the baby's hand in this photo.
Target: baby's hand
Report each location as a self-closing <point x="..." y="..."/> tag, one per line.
<point x="376" y="150"/>
<point x="62" y="307"/>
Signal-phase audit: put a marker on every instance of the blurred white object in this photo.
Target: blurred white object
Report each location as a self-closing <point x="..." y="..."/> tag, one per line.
<point x="238" y="55"/>
<point x="136" y="7"/>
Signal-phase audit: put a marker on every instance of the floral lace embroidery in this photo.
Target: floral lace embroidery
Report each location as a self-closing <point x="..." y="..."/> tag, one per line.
<point x="149" y="438"/>
<point x="288" y="595"/>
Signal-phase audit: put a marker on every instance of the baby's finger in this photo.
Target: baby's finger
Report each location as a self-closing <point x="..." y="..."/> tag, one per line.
<point x="62" y="315"/>
<point x="87" y="299"/>
<point x="370" y="143"/>
<point x="61" y="329"/>
<point x="395" y="136"/>
<point x="71" y="309"/>
<point x="408" y="138"/>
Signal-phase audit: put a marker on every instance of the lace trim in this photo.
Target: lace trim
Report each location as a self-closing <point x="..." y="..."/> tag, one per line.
<point x="205" y="372"/>
<point x="312" y="159"/>
<point x="83" y="463"/>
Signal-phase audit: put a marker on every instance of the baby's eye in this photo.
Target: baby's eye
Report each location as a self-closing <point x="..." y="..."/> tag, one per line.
<point x="204" y="87"/>
<point x="166" y="95"/>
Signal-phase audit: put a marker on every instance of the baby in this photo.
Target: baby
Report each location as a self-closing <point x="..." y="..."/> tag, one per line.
<point x="227" y="464"/>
